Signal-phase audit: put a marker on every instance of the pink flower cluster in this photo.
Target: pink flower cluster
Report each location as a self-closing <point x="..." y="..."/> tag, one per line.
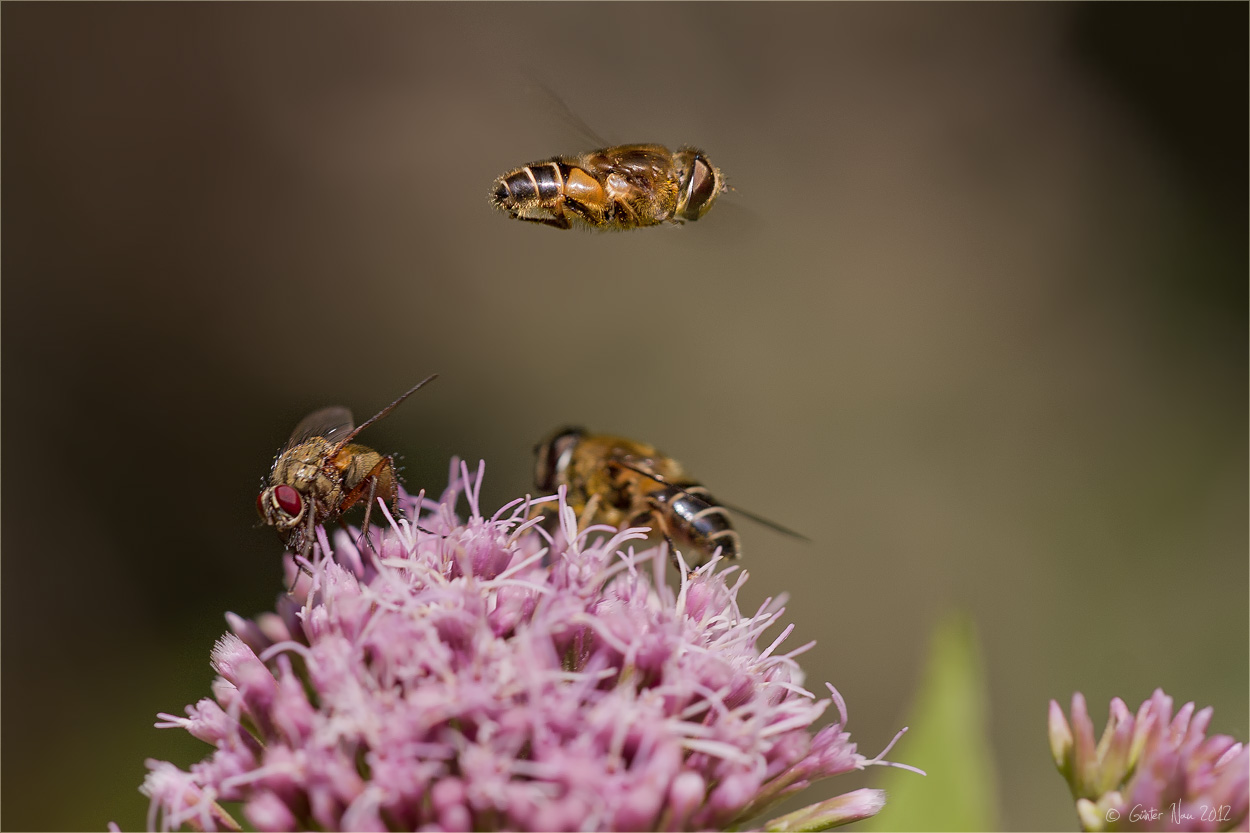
<point x="1152" y="770"/>
<point x="488" y="675"/>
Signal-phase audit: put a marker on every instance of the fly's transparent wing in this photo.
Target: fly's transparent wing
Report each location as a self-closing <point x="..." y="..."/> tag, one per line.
<point x="646" y="471"/>
<point x="773" y="525"/>
<point x="332" y="423"/>
<point x="549" y="102"/>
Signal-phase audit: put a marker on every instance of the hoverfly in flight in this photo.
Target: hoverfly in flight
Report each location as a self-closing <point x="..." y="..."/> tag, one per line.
<point x="620" y="188"/>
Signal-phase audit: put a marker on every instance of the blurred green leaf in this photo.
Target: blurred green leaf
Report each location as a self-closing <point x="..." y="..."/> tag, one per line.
<point x="948" y="739"/>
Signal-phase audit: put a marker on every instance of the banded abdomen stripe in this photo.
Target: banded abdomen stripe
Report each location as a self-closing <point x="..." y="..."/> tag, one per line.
<point x="701" y="519"/>
<point x="542" y="181"/>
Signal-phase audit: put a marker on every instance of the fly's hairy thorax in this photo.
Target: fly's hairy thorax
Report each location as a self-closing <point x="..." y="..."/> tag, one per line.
<point x="640" y="177"/>
<point x="304" y="468"/>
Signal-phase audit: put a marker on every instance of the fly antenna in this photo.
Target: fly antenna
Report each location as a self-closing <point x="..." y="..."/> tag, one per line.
<point x="554" y="102"/>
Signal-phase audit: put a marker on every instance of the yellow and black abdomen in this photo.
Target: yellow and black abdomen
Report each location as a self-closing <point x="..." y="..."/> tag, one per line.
<point x="697" y="516"/>
<point x="552" y="192"/>
<point x="624" y="187"/>
<point x="539" y="183"/>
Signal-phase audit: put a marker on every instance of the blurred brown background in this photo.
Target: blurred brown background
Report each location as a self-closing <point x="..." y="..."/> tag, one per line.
<point x="974" y="318"/>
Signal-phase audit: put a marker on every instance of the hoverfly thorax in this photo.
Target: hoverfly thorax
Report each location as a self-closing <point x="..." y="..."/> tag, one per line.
<point x="701" y="183"/>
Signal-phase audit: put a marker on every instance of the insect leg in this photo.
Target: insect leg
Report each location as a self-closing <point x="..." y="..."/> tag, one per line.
<point x="592" y="216"/>
<point x="364" y="528"/>
<point x="338" y="446"/>
<point x="380" y="479"/>
<point x="660" y="524"/>
<point x="561" y="221"/>
<point x="624" y="209"/>
<point x="305" y="550"/>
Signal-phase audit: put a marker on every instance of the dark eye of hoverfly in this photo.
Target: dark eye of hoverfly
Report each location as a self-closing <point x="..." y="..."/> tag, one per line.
<point x="288" y="500"/>
<point x="545" y="468"/>
<point x="260" y="504"/>
<point x="550" y="454"/>
<point x="702" y="189"/>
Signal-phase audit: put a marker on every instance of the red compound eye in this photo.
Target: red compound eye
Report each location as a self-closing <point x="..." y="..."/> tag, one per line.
<point x="260" y="504"/>
<point x="288" y="500"/>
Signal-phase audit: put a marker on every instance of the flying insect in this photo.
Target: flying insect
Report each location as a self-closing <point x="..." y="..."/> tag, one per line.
<point x="623" y="187"/>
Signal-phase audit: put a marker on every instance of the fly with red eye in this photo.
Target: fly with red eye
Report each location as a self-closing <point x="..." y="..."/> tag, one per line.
<point x="286" y="498"/>
<point x="320" y="474"/>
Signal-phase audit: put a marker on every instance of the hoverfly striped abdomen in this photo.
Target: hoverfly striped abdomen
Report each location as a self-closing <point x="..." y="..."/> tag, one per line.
<point x="542" y="182"/>
<point x="699" y="518"/>
<point x="621" y="481"/>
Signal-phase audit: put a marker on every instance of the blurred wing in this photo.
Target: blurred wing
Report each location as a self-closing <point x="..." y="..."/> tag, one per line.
<point x="554" y="104"/>
<point x="331" y="423"/>
<point x="729" y="225"/>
